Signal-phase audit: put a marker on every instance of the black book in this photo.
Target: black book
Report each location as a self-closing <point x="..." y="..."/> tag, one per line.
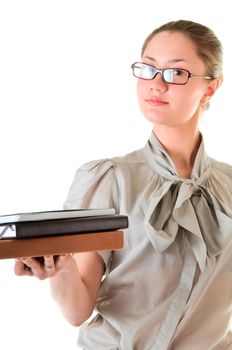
<point x="60" y="222"/>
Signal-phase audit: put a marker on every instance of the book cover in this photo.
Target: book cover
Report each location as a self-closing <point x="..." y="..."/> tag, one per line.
<point x="43" y="224"/>
<point x="53" y="215"/>
<point x="56" y="245"/>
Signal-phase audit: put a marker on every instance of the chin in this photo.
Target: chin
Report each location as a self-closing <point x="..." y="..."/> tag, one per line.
<point x="157" y="119"/>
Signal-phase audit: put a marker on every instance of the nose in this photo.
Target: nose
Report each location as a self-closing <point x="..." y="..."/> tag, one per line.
<point x="157" y="83"/>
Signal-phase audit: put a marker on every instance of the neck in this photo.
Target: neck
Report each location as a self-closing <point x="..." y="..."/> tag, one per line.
<point x="181" y="144"/>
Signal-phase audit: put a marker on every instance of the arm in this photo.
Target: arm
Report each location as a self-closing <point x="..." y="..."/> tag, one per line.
<point x="75" y="287"/>
<point x="74" y="281"/>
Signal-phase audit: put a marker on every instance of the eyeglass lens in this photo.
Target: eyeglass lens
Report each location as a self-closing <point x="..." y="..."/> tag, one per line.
<point x="170" y="75"/>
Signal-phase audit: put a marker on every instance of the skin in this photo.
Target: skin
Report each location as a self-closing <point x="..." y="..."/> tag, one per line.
<point x="75" y="280"/>
<point x="174" y="111"/>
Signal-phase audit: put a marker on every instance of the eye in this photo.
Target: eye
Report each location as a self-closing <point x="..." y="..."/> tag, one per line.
<point x="178" y="72"/>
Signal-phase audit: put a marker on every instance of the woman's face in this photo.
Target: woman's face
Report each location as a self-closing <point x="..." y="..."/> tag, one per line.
<point x="167" y="104"/>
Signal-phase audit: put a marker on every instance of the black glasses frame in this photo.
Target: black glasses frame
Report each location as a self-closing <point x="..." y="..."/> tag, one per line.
<point x="162" y="71"/>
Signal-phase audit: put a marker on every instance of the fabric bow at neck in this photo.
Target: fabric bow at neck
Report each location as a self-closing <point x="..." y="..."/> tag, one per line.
<point x="185" y="206"/>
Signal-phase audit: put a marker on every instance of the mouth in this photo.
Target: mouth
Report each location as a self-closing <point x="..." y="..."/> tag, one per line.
<point x="156" y="102"/>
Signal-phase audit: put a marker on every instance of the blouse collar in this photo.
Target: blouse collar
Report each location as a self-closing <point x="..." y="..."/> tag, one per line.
<point x="186" y="206"/>
<point x="160" y="161"/>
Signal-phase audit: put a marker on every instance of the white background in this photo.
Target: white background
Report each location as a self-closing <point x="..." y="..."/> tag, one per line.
<point x="67" y="96"/>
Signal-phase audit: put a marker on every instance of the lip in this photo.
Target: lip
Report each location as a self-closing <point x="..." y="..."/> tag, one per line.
<point x="156" y="102"/>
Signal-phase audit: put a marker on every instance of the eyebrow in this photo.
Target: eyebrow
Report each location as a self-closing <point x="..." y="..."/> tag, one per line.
<point x="175" y="60"/>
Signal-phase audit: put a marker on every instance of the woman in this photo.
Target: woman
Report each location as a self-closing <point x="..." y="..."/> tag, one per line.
<point x="170" y="286"/>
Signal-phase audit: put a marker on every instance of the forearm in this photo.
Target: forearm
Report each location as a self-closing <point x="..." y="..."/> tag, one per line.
<point x="74" y="279"/>
<point x="72" y="294"/>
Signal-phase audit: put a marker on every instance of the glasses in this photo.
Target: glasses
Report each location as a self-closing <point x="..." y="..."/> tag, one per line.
<point x="176" y="76"/>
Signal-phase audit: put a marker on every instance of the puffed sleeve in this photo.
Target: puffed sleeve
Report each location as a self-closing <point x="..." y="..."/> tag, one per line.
<point x="94" y="187"/>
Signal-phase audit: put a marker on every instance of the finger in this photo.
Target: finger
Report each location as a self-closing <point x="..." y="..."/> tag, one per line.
<point x="21" y="269"/>
<point x="35" y="267"/>
<point x="49" y="262"/>
<point x="49" y="265"/>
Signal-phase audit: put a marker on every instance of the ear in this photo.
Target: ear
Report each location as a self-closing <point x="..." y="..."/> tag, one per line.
<point x="211" y="88"/>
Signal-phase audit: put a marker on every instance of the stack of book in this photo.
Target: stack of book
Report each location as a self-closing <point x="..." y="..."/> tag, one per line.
<point x="60" y="231"/>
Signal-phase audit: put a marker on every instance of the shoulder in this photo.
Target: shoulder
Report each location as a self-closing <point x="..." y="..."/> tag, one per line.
<point x="130" y="162"/>
<point x="94" y="169"/>
<point x="111" y="166"/>
<point x="93" y="186"/>
<point x="220" y="169"/>
<point x="96" y="182"/>
<point x="134" y="158"/>
<point x="220" y="180"/>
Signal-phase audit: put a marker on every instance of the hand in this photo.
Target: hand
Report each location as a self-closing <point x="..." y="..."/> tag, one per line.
<point x="40" y="267"/>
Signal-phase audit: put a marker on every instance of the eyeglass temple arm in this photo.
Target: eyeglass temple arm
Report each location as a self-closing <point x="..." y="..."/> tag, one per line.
<point x="200" y="76"/>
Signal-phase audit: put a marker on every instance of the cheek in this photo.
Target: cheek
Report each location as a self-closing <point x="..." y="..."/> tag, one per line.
<point x="187" y="98"/>
<point x="142" y="92"/>
<point x="190" y="101"/>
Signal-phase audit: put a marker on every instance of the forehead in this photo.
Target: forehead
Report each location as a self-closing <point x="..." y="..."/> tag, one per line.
<point x="172" y="46"/>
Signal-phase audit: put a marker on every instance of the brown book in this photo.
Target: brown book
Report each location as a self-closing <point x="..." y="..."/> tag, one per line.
<point x="55" y="245"/>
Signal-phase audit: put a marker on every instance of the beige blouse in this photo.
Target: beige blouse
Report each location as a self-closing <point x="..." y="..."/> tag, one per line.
<point x="170" y="287"/>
